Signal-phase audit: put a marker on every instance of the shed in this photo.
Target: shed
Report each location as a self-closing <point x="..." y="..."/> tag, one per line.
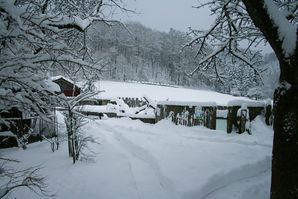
<point x="67" y="87"/>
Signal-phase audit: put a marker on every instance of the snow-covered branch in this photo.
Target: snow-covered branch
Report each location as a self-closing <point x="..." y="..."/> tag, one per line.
<point x="232" y="26"/>
<point x="40" y="37"/>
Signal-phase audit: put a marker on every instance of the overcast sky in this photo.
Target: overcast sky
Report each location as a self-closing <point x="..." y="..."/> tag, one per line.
<point x="165" y="14"/>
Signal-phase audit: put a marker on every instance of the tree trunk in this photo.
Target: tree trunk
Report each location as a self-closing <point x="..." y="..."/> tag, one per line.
<point x="284" y="181"/>
<point x="70" y="133"/>
<point x="285" y="145"/>
<point x="73" y="149"/>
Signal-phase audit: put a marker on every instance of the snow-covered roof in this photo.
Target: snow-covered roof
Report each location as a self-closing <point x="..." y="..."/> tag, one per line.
<point x="59" y="77"/>
<point x="51" y="86"/>
<point x="149" y="116"/>
<point x="55" y="78"/>
<point x="186" y="103"/>
<point x="94" y="108"/>
<point x="249" y="103"/>
<point x="169" y="94"/>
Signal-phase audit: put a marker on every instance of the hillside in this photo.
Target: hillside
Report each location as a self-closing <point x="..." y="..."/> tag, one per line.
<point x="134" y="52"/>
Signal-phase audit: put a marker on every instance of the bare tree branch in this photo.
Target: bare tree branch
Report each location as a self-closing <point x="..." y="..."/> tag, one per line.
<point x="28" y="178"/>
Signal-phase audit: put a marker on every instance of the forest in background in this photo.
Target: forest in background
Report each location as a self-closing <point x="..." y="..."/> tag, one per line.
<point x="133" y="52"/>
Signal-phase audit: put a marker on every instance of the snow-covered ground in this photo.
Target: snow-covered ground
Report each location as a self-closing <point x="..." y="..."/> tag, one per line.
<point x="164" y="93"/>
<point x="162" y="161"/>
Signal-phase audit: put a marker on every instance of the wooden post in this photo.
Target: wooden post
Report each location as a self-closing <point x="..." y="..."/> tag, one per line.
<point x="230" y="119"/>
<point x="213" y="118"/>
<point x="242" y="121"/>
<point x="268" y="115"/>
<point x="207" y="118"/>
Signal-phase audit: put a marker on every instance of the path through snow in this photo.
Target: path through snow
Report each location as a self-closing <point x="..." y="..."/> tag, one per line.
<point x="142" y="161"/>
<point x="145" y="172"/>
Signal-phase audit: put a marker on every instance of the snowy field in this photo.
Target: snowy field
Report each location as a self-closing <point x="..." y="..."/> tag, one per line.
<point x="135" y="160"/>
<point x="114" y="89"/>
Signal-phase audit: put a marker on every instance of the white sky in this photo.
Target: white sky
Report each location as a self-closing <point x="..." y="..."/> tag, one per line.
<point x="165" y="14"/>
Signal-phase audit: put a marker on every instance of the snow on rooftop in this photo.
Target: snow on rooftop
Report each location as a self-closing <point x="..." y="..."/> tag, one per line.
<point x="250" y="103"/>
<point x="186" y="103"/>
<point x="51" y="86"/>
<point x="164" y="94"/>
<point x="94" y="108"/>
<point x="58" y="77"/>
<point x="67" y="79"/>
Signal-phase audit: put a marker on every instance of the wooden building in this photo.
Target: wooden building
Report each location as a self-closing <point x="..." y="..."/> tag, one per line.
<point x="19" y="124"/>
<point x="187" y="113"/>
<point x="67" y="87"/>
<point x="16" y="121"/>
<point x="209" y="114"/>
<point x="255" y="108"/>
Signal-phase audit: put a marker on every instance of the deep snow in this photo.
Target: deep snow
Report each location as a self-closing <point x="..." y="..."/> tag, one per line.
<point x="137" y="160"/>
<point x="168" y="94"/>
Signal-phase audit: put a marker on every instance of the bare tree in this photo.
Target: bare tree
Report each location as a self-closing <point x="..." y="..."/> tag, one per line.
<point x="275" y="22"/>
<point x="77" y="142"/>
<point x="15" y="179"/>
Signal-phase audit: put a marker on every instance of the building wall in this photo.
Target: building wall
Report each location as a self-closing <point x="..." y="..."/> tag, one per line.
<point x="67" y="87"/>
<point x="70" y="93"/>
<point x="209" y="120"/>
<point x="232" y="115"/>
